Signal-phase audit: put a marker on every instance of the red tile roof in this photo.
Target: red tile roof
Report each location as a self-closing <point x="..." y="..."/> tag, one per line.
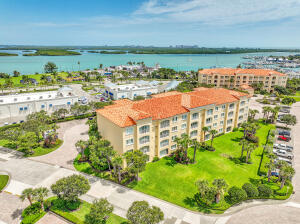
<point x="237" y="71"/>
<point x="126" y="112"/>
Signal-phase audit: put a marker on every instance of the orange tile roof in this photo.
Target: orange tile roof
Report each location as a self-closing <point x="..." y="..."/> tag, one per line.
<point x="171" y="93"/>
<point x="126" y="112"/>
<point x="237" y="71"/>
<point x="245" y="86"/>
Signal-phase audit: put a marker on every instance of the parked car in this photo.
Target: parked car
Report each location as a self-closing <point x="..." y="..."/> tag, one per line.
<point x="289" y="161"/>
<point x="285" y="133"/>
<point x="283" y="147"/>
<point x="6" y="123"/>
<point x="21" y="121"/>
<point x="14" y="122"/>
<point x="274" y="173"/>
<point x="284" y="138"/>
<point x="283" y="153"/>
<point x="283" y="110"/>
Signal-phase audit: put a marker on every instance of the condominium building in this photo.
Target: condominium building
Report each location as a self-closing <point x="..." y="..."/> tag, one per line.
<point x="139" y="88"/>
<point x="17" y="107"/>
<point x="234" y="78"/>
<point x="152" y="125"/>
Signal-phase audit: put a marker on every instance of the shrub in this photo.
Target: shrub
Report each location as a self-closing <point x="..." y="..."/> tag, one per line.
<point x="252" y="138"/>
<point x="155" y="159"/>
<point x="264" y="191"/>
<point x="208" y="147"/>
<point x="35" y="208"/>
<point x="235" y="129"/>
<point x="32" y="218"/>
<point x="236" y="194"/>
<point x="251" y="190"/>
<point x="73" y="205"/>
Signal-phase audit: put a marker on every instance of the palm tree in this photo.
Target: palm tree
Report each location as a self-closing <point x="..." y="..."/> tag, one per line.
<point x="101" y="66"/>
<point x="99" y="77"/>
<point x="221" y="187"/>
<point x="40" y="194"/>
<point x="250" y="147"/>
<point x="27" y="194"/>
<point x="196" y="145"/>
<point x="253" y="113"/>
<point x="245" y="126"/>
<point x="213" y="133"/>
<point x="266" y="112"/>
<point x="82" y="145"/>
<point x="117" y="163"/>
<point x="270" y="165"/>
<point x="274" y="111"/>
<point x="285" y="173"/>
<point x="244" y="143"/>
<point x="204" y="130"/>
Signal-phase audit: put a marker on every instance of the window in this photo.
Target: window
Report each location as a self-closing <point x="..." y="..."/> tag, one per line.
<point x="28" y="98"/>
<point x="164" y="133"/>
<point x="243" y="102"/>
<point x="194" y="125"/>
<point x="228" y="129"/>
<point x="15" y="99"/>
<point x="193" y="133"/>
<point x="68" y="103"/>
<point x="144" y="129"/>
<point x="195" y="116"/>
<point x="163" y="152"/>
<point x="42" y="106"/>
<point x="184" y="117"/>
<point x="145" y="149"/>
<point x="174" y="137"/>
<point x="208" y="120"/>
<point x="174" y="119"/>
<point x="216" y="108"/>
<point x="165" y="124"/>
<point x="223" y="106"/>
<point x="174" y="129"/>
<point x="209" y="112"/>
<point x="49" y="96"/>
<point x="216" y="117"/>
<point x="241" y="117"/>
<point x="231" y="106"/>
<point x="230" y="114"/>
<point x="129" y="141"/>
<point x="41" y="97"/>
<point x="21" y="108"/>
<point x="183" y="126"/>
<point x="129" y="131"/>
<point x="241" y="110"/>
<point x="221" y="130"/>
<point x="173" y="147"/>
<point x="215" y="124"/>
<point x="50" y="105"/>
<point x="164" y="143"/>
<point x="222" y="114"/>
<point x="221" y="122"/>
<point x="207" y="136"/>
<point x="144" y="139"/>
<point x="229" y="121"/>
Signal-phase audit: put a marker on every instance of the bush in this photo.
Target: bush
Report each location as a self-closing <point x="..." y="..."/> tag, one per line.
<point x="264" y="191"/>
<point x="236" y="194"/>
<point x="208" y="147"/>
<point x="252" y="138"/>
<point x="32" y="218"/>
<point x="155" y="159"/>
<point x="35" y="208"/>
<point x="251" y="190"/>
<point x="73" y="205"/>
<point x="235" y="129"/>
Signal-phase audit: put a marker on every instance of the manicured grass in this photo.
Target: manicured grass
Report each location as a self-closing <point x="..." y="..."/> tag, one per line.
<point x="176" y="182"/>
<point x="3" y="181"/>
<point x="297" y="98"/>
<point x="39" y="151"/>
<point x="78" y="216"/>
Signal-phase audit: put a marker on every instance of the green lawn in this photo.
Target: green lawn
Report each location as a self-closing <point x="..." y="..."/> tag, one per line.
<point x="78" y="216"/>
<point x="3" y="181"/>
<point x="175" y="182"/>
<point x="39" y="151"/>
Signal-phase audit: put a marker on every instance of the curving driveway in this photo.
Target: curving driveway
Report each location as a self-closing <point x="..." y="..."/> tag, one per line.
<point x="70" y="132"/>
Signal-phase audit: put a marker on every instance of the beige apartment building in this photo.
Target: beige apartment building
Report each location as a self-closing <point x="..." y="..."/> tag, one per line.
<point x="152" y="125"/>
<point x="235" y="78"/>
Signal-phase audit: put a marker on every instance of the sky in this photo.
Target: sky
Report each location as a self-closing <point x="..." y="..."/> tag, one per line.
<point x="206" y="23"/>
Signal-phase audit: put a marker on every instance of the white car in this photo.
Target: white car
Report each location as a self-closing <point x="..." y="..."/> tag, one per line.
<point x="283" y="147"/>
<point x="283" y="153"/>
<point x="289" y="161"/>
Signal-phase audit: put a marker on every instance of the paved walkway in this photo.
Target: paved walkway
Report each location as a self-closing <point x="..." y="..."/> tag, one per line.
<point x="70" y="132"/>
<point x="50" y="218"/>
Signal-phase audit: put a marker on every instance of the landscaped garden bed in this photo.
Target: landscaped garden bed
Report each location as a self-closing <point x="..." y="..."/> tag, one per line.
<point x="3" y="181"/>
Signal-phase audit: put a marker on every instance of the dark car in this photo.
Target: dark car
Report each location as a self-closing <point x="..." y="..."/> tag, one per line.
<point x="284" y="138"/>
<point x="276" y="174"/>
<point x="285" y="133"/>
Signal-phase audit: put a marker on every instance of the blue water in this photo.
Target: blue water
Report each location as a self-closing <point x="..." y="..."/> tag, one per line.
<point x="182" y="62"/>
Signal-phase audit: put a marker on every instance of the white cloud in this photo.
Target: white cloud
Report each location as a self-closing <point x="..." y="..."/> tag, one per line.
<point x="220" y="12"/>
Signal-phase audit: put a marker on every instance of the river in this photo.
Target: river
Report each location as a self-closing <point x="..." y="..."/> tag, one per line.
<point x="182" y="62"/>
